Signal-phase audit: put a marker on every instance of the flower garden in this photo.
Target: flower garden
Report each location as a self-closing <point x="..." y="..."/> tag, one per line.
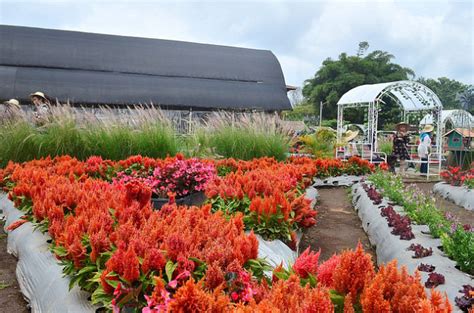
<point x="130" y="257"/>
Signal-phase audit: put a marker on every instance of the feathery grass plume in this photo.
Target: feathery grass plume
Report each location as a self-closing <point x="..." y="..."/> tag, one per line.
<point x="112" y="134"/>
<point x="247" y="135"/>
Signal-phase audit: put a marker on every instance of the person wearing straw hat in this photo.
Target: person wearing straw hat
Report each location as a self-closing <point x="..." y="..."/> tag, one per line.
<point x="424" y="147"/>
<point x="400" y="145"/>
<point x="350" y="149"/>
<point x="41" y="110"/>
<point x="10" y="111"/>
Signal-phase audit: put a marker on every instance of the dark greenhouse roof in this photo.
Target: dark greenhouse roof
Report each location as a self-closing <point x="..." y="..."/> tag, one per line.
<point x="89" y="68"/>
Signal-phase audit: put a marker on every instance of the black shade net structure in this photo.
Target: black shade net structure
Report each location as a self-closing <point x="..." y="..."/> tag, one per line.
<point x="88" y="68"/>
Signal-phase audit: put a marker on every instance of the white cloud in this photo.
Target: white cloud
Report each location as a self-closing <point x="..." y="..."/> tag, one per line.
<point x="434" y="38"/>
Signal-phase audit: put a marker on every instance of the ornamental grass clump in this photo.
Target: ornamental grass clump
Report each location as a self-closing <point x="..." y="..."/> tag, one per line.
<point x="247" y="136"/>
<point x="81" y="134"/>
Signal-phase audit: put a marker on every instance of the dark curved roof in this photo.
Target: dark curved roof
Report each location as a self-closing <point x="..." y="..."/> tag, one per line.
<point x="89" y="68"/>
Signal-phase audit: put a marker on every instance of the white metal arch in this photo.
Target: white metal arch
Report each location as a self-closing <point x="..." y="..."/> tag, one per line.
<point x="458" y="118"/>
<point x="410" y="95"/>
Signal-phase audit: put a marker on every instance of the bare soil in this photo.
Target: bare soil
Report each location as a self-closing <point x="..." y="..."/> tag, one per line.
<point x="11" y="298"/>
<point x="338" y="227"/>
<point x="464" y="216"/>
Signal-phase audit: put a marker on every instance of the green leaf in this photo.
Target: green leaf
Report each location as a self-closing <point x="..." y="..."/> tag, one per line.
<point x="169" y="269"/>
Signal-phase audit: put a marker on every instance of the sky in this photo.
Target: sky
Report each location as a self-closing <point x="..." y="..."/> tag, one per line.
<point x="434" y="38"/>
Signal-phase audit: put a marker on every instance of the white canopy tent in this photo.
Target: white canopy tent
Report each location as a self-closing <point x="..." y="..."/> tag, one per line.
<point x="411" y="96"/>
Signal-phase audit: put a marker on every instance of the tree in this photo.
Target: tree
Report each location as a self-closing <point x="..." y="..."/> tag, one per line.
<point x="448" y="91"/>
<point x="335" y="77"/>
<point x="466" y="98"/>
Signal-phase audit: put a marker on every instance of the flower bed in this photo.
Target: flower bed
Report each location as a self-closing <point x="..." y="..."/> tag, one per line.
<point x="457" y="239"/>
<point x="418" y="253"/>
<point x="111" y="243"/>
<point x="458" y="186"/>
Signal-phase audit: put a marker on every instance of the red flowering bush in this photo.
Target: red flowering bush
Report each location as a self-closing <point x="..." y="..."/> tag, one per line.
<point x="176" y="175"/>
<point x="130" y="257"/>
<point x="269" y="194"/>
<point x="456" y="177"/>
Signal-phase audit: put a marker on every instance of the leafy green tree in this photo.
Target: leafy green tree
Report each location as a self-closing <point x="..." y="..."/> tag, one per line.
<point x="448" y="90"/>
<point x="335" y="77"/>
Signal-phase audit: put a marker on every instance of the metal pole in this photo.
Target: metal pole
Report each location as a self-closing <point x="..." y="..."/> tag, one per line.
<point x="320" y="113"/>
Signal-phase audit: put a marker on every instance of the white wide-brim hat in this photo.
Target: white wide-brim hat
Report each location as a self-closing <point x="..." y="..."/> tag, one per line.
<point x="427" y="129"/>
<point x="38" y="94"/>
<point x="349" y="135"/>
<point x="13" y="102"/>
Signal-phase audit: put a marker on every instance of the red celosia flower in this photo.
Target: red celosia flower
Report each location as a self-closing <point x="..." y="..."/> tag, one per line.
<point x="307" y="264"/>
<point x="326" y="270"/>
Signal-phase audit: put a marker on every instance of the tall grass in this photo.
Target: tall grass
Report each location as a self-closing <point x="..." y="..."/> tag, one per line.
<point x="247" y="136"/>
<point x="141" y="130"/>
<point x="144" y="130"/>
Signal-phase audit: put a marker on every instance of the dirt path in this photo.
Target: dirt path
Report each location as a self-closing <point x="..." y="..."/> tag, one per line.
<point x="338" y="227"/>
<point x="464" y="216"/>
<point x="11" y="299"/>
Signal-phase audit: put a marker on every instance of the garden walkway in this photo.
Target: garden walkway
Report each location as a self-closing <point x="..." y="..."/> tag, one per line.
<point x="11" y="299"/>
<point x="338" y="227"/>
<point x="464" y="216"/>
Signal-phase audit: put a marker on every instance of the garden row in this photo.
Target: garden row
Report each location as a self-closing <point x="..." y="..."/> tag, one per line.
<point x="111" y="242"/>
<point x="458" y="186"/>
<point x="393" y="229"/>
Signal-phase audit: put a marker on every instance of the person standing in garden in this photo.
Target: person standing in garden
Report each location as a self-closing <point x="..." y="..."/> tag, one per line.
<point x="350" y="149"/>
<point x="41" y="112"/>
<point x="10" y="111"/>
<point x="400" y="145"/>
<point x="424" y="148"/>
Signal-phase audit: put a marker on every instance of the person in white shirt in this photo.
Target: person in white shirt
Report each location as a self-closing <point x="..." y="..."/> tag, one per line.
<point x="424" y="147"/>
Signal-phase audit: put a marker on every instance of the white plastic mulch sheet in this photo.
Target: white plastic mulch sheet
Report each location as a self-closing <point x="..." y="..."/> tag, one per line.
<point x="390" y="247"/>
<point x="276" y="252"/>
<point x="334" y="181"/>
<point x="462" y="196"/>
<point x="38" y="272"/>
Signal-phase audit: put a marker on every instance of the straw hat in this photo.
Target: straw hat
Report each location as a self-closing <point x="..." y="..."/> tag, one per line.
<point x="13" y="102"/>
<point x="399" y="126"/>
<point x="427" y="129"/>
<point x="349" y="135"/>
<point x="39" y="94"/>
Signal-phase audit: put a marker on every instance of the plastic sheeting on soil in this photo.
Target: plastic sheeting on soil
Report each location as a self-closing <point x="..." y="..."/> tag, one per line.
<point x="390" y="247"/>
<point x="276" y="252"/>
<point x="39" y="275"/>
<point x="334" y="181"/>
<point x="462" y="196"/>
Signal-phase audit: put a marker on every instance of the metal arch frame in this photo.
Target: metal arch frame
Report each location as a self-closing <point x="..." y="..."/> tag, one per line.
<point x="423" y="94"/>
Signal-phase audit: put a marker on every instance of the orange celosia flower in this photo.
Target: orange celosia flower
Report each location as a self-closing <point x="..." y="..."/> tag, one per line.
<point x="354" y="270"/>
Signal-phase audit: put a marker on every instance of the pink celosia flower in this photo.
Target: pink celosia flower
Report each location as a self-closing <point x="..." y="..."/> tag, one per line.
<point x="326" y="270"/>
<point x="307" y="263"/>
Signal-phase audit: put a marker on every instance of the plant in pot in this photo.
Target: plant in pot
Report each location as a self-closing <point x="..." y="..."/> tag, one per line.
<point x="183" y="179"/>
